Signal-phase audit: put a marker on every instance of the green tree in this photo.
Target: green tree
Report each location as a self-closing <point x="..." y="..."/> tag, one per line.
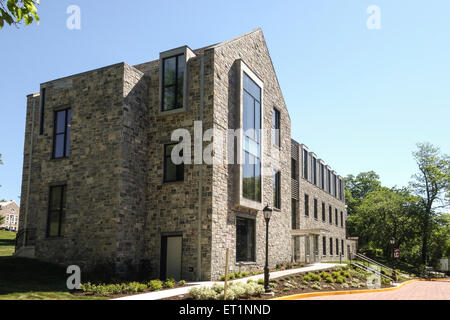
<point x="14" y="11"/>
<point x="432" y="184"/>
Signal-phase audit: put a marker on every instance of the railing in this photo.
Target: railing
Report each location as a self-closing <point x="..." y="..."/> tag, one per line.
<point x="363" y="257"/>
<point x="371" y="265"/>
<point x="374" y="271"/>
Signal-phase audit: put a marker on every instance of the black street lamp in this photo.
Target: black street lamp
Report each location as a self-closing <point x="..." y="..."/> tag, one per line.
<point x="267" y="214"/>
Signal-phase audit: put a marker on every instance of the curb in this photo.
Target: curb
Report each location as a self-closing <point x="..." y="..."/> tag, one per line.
<point x="332" y="293"/>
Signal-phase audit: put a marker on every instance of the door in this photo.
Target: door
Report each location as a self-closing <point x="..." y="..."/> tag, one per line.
<point x="171" y="251"/>
<point x="316" y="248"/>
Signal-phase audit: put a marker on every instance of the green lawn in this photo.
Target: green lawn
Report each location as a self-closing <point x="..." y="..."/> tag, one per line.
<point x="7" y="243"/>
<point x="29" y="279"/>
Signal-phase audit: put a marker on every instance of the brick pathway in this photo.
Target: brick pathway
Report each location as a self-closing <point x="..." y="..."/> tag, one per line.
<point x="419" y="290"/>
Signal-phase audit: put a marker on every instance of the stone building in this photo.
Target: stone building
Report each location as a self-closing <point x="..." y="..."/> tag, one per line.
<point x="10" y="212"/>
<point x="101" y="186"/>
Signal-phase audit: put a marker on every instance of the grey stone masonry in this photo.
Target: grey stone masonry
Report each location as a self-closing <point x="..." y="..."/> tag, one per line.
<point x="120" y="212"/>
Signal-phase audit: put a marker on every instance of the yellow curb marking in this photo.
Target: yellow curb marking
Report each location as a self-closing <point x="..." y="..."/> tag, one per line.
<point x="332" y="293"/>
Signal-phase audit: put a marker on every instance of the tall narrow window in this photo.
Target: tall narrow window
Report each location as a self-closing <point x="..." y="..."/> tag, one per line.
<point x="172" y="82"/>
<point x="306" y="205"/>
<point x="323" y="212"/>
<point x="245" y="240"/>
<point x="56" y="211"/>
<point x="331" y="246"/>
<point x="337" y="246"/>
<point x="342" y="247"/>
<point x="305" y="164"/>
<point x="334" y="185"/>
<point x="172" y="172"/>
<point x="41" y="124"/>
<point x="330" y="214"/>
<point x="316" y="213"/>
<point x="322" y="177"/>
<point x="324" y="246"/>
<point x="314" y="170"/>
<point x="328" y="181"/>
<point x="277" y="189"/>
<point x="342" y="219"/>
<point x="294" y="169"/>
<point x="336" y="220"/>
<point x="251" y="170"/>
<point x="61" y="136"/>
<point x="294" y="213"/>
<point x="276" y="128"/>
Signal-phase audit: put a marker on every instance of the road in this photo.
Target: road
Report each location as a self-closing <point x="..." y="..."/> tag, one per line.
<point x="419" y="290"/>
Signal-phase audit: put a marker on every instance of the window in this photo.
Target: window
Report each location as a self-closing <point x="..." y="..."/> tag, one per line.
<point x="342" y="246"/>
<point x="336" y="220"/>
<point x="56" y="211"/>
<point x="337" y="246"/>
<point x="245" y="239"/>
<point x="294" y="169"/>
<point x="328" y="181"/>
<point x="334" y="185"/>
<point x="342" y="219"/>
<point x="294" y="213"/>
<point x="251" y="171"/>
<point x="306" y="205"/>
<point x="41" y="124"/>
<point x="61" y="137"/>
<point x="314" y="170"/>
<point x="324" y="246"/>
<point x="277" y="190"/>
<point x="331" y="246"/>
<point x="305" y="164"/>
<point x="315" y="209"/>
<point x="330" y="214"/>
<point x="172" y="172"/>
<point x="322" y="177"/>
<point x="323" y="212"/>
<point x="172" y="82"/>
<point x="276" y="128"/>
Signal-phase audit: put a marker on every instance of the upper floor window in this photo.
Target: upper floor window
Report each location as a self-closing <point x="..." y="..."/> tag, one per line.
<point x="276" y="128"/>
<point x="321" y="176"/>
<point x="61" y="137"/>
<point x="323" y="212"/>
<point x="342" y="219"/>
<point x="277" y="190"/>
<point x="330" y="214"/>
<point x="306" y="205"/>
<point x="305" y="164"/>
<point x="331" y="246"/>
<point x="41" y="124"/>
<point x="314" y="170"/>
<point x="334" y="184"/>
<point x="251" y="172"/>
<point x="56" y="211"/>
<point x="294" y="213"/>
<point x="316" y="213"/>
<point x="172" y="82"/>
<point x="336" y="221"/>
<point x="294" y="169"/>
<point x="328" y="180"/>
<point x="172" y="172"/>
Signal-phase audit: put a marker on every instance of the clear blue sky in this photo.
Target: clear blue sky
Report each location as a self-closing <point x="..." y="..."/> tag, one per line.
<point x="359" y="98"/>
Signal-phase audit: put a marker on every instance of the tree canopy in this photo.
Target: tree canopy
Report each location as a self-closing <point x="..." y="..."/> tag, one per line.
<point x="14" y="11"/>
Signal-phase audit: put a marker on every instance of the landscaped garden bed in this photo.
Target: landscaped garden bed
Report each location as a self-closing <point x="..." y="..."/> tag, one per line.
<point x="334" y="279"/>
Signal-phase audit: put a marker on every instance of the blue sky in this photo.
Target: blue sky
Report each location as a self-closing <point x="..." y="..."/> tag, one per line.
<point x="359" y="98"/>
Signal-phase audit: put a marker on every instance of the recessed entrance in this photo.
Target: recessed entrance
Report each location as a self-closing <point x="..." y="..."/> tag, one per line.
<point x="171" y="251"/>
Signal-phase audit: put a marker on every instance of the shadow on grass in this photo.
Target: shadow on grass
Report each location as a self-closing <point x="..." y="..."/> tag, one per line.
<point x="7" y="242"/>
<point x="19" y="275"/>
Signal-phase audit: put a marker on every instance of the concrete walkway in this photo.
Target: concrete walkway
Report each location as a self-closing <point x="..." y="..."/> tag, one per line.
<point x="179" y="291"/>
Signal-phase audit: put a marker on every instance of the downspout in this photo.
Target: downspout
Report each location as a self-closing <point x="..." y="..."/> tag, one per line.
<point x="200" y="175"/>
<point x="29" y="176"/>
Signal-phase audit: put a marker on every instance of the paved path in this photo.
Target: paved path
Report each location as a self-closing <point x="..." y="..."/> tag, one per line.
<point x="179" y="291"/>
<point x="419" y="290"/>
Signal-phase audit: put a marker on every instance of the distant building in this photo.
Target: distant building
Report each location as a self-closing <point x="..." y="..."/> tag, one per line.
<point x="10" y="211"/>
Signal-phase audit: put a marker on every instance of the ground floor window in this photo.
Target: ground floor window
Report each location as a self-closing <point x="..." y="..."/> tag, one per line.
<point x="245" y="239"/>
<point x="331" y="246"/>
<point x="324" y="246"/>
<point x="56" y="211"/>
<point x="337" y="246"/>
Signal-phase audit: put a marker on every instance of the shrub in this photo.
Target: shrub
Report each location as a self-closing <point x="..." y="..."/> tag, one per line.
<point x="231" y="276"/>
<point x="237" y="275"/>
<point x="339" y="279"/>
<point x="182" y="282"/>
<point x="244" y="274"/>
<point x="155" y="285"/>
<point x="222" y="278"/>
<point x="261" y="281"/>
<point x="313" y="276"/>
<point x="203" y="293"/>
<point x="329" y="279"/>
<point x="324" y="274"/>
<point x="169" y="283"/>
<point x="335" y="274"/>
<point x="301" y="265"/>
<point x="316" y="286"/>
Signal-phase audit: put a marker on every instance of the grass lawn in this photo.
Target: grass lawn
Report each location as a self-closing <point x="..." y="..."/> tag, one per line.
<point x="7" y="243"/>
<point x="29" y="279"/>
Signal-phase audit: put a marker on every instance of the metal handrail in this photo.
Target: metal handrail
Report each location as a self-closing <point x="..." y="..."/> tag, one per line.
<point x="372" y="261"/>
<point x="372" y="270"/>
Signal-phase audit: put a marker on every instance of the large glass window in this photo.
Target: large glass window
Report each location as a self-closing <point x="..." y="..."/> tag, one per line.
<point x="277" y="189"/>
<point x="276" y="128"/>
<point x="172" y="172"/>
<point x="56" y="211"/>
<point x="245" y="239"/>
<point x="61" y="137"/>
<point x="251" y="171"/>
<point x="172" y="82"/>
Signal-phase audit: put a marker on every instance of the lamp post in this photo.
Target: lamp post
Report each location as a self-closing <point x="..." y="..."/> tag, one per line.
<point x="393" y="258"/>
<point x="267" y="214"/>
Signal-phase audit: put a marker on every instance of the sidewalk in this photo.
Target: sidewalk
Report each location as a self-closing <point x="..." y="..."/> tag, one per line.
<point x="179" y="291"/>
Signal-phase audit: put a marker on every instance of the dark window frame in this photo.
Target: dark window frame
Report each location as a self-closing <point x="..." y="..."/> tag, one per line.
<point x="178" y="104"/>
<point x="252" y="258"/>
<point x="324" y="214"/>
<point x="41" y="124"/>
<point x="336" y="217"/>
<point x="67" y="130"/>
<point x="316" y="209"/>
<point x="277" y="190"/>
<point x="276" y="140"/>
<point x="305" y="164"/>
<point x="337" y="246"/>
<point x="306" y="205"/>
<point x="294" y="169"/>
<point x="342" y="219"/>
<point x="294" y="213"/>
<point x="60" y="211"/>
<point x="324" y="245"/>
<point x="330" y="214"/>
<point x="179" y="167"/>
<point x="331" y="246"/>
